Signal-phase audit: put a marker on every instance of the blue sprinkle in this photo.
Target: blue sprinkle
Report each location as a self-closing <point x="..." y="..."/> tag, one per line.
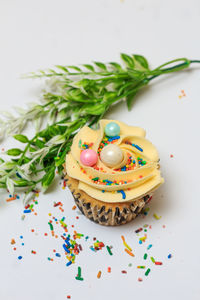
<point x="58" y="255"/>
<point x="140" y="242"/>
<point x="21" y="236"/>
<point x="20" y="257"/>
<point x="63" y="219"/>
<point x="92" y="249"/>
<point x="65" y="248"/>
<point x="10" y="196"/>
<point x="27" y="211"/>
<point x="68" y="264"/>
<point x="169" y="256"/>
<point x="137" y="147"/>
<point x="123" y="194"/>
<point x="64" y="234"/>
<point x="17" y="197"/>
<point x="56" y="220"/>
<point x="149" y="247"/>
<point x="103" y="191"/>
<point x="18" y="175"/>
<point x="86" y="238"/>
<point x="67" y="242"/>
<point x="22" y="244"/>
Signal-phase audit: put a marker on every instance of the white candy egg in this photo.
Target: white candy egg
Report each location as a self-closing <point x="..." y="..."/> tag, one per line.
<point x="111" y="155"/>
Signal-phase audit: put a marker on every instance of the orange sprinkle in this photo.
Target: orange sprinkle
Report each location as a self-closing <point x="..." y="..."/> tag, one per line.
<point x="74" y="207"/>
<point x="12" y="242"/>
<point x="99" y="274"/>
<point x="129" y="252"/>
<point x="11" y="199"/>
<point x="123" y="238"/>
<point x="109" y="269"/>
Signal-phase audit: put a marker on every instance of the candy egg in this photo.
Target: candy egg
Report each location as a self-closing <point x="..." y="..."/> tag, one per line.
<point x="111" y="155"/>
<point x="112" y="129"/>
<point x="88" y="157"/>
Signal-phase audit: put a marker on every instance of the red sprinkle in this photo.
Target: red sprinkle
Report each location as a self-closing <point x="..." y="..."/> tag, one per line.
<point x="140" y="279"/>
<point x="124" y="272"/>
<point x="158" y="263"/>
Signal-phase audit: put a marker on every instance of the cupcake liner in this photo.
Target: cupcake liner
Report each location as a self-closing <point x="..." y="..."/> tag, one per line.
<point x="105" y="213"/>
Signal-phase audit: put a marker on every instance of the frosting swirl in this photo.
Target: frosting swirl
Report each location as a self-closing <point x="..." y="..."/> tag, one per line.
<point x="134" y="177"/>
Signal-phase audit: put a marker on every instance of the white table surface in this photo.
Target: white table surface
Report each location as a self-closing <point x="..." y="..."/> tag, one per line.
<point x="39" y="34"/>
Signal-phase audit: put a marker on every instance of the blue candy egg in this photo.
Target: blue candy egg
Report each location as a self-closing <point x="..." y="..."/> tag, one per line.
<point x="112" y="129"/>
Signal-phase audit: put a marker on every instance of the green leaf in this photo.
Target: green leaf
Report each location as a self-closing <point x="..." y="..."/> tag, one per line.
<point x="89" y="67"/>
<point x="40" y="144"/>
<point x="130" y="99"/>
<point x="75" y="68"/>
<point x="14" y="152"/>
<point x="22" y="182"/>
<point x="62" y="158"/>
<point x="1" y="161"/>
<point x="62" y="68"/>
<point x="109" y="96"/>
<point x="21" y="138"/>
<point x="128" y="60"/>
<point x="48" y="178"/>
<point x="142" y="61"/>
<point x="116" y="66"/>
<point x="96" y="109"/>
<point x="100" y="65"/>
<point x="10" y="185"/>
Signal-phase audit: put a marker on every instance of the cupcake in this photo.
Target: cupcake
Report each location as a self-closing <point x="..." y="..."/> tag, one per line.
<point x="112" y="172"/>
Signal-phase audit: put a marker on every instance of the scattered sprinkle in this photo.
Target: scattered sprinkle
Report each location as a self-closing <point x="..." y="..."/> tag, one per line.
<point x="147" y="272"/>
<point x="156" y="217"/>
<point x="109" y="251"/>
<point x="99" y="274"/>
<point x="12" y="241"/>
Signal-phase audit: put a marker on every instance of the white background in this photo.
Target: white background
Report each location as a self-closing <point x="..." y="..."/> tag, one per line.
<point x="39" y="34"/>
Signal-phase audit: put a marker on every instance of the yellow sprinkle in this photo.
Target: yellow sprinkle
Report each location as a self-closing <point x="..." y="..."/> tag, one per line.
<point x="143" y="238"/>
<point x="156" y="217"/>
<point x="49" y="214"/>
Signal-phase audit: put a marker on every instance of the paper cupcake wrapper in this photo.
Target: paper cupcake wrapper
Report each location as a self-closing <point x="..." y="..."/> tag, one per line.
<point x="104" y="213"/>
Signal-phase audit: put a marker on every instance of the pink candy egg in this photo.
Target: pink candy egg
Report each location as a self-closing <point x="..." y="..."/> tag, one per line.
<point x="88" y="157"/>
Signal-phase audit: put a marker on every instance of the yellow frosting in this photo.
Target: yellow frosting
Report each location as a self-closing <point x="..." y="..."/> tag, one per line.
<point x="135" y="183"/>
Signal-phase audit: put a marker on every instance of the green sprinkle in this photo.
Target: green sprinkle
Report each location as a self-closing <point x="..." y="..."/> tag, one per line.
<point x="147" y="272"/>
<point x="78" y="277"/>
<point x="130" y="265"/>
<point x="51" y="226"/>
<point x="141" y="267"/>
<point x="79" y="271"/>
<point x="152" y="259"/>
<point x="79" y="143"/>
<point x="95" y="178"/>
<point x="145" y="256"/>
<point x="109" y="251"/>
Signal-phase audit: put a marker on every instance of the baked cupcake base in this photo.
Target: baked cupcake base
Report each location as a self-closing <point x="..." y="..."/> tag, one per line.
<point x="104" y="213"/>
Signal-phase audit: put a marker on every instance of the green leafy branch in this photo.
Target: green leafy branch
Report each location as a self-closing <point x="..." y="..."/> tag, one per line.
<point x="75" y="96"/>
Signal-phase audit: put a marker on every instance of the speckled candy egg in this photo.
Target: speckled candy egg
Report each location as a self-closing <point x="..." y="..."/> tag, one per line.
<point x="112" y="129"/>
<point x="88" y="157"/>
<point x="111" y="155"/>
